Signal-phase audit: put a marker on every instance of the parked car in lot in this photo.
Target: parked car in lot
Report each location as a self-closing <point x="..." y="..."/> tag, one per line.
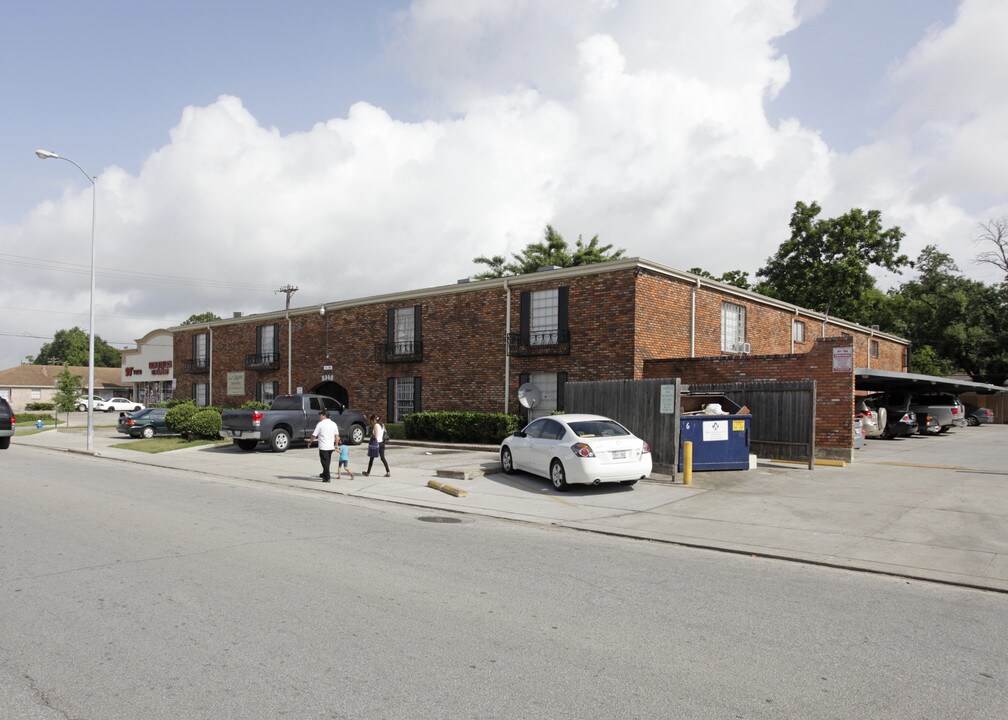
<point x="873" y="420"/>
<point x="290" y="418"/>
<point x="8" y="424"/>
<point x="144" y="423"/>
<point x="978" y="416"/>
<point x="895" y="417"/>
<point x="97" y="402"/>
<point x="122" y="404"/>
<point x="577" y="449"/>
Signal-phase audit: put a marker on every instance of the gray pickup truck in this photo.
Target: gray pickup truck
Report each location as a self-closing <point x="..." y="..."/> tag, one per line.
<point x="290" y="418"/>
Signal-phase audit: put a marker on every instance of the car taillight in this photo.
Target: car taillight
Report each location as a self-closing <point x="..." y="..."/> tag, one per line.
<point x="988" y="413"/>
<point x="130" y="421"/>
<point x="582" y="450"/>
<point x="647" y="448"/>
<point x="12" y="420"/>
<point x="955" y="410"/>
<point x="256" y="417"/>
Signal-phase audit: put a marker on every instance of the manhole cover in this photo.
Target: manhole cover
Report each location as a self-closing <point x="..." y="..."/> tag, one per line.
<point x="439" y="519"/>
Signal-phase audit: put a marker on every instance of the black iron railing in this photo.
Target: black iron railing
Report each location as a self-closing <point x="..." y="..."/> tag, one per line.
<point x="196" y="365"/>
<point x="262" y="361"/>
<point x="546" y="342"/>
<point x="407" y="351"/>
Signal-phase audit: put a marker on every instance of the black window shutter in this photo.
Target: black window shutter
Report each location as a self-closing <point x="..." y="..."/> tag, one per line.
<point x="524" y="316"/>
<point x="563" y="294"/>
<point x="561" y="382"/>
<point x="194" y="339"/>
<point x="390" y="417"/>
<point x="416" y="394"/>
<point x="390" y="342"/>
<point x="417" y="336"/>
<point x="276" y="341"/>
<point x="259" y="347"/>
<point x="259" y="391"/>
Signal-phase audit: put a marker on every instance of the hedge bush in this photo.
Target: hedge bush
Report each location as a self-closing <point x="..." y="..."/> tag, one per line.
<point x="255" y="405"/>
<point x="205" y="423"/>
<point x="40" y="406"/>
<point x="474" y="427"/>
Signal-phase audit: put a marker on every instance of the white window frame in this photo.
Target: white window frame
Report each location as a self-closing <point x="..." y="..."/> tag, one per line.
<point x="798" y="331"/>
<point x="874" y="348"/>
<point x="733" y="322"/>
<point x="405" y="329"/>
<point x="544" y="317"/>
<point x="404" y="398"/>
<point x="201" y="394"/>
<point x="36" y="394"/>
<point x="264" y="396"/>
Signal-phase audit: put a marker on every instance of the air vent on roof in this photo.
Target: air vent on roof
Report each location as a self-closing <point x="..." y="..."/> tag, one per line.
<point x="875" y="328"/>
<point x="463" y="280"/>
<point x="236" y="314"/>
<point x="545" y="268"/>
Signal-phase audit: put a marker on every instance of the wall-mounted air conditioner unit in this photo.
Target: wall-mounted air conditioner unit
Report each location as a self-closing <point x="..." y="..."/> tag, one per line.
<point x="742" y="348"/>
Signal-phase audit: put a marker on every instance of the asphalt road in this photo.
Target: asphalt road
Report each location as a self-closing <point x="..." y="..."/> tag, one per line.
<point x="137" y="592"/>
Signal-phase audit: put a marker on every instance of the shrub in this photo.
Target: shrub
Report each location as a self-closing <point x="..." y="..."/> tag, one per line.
<point x="474" y="427"/>
<point x="177" y="417"/>
<point x="205" y="423"/>
<point x="40" y="406"/>
<point x="255" y="405"/>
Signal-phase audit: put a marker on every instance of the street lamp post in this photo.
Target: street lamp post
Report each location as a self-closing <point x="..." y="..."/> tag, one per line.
<point x="45" y="155"/>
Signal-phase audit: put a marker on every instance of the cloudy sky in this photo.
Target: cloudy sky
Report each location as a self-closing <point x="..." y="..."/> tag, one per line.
<point x="354" y="148"/>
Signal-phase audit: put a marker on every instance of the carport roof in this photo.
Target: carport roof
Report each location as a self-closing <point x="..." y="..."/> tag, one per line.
<point x="874" y="380"/>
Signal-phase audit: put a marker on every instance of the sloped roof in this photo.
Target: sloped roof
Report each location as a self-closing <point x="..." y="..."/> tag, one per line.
<point x="40" y="376"/>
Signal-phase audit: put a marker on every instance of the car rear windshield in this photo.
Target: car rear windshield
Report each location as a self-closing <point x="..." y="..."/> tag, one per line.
<point x="598" y="428"/>
<point x="286" y="402"/>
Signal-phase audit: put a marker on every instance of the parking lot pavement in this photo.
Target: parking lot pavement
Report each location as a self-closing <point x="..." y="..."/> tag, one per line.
<point x="933" y="508"/>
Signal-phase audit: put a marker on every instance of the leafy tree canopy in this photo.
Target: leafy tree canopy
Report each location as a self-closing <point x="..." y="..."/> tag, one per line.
<point x="553" y="250"/>
<point x="738" y="278"/>
<point x="70" y="347"/>
<point x="199" y="318"/>
<point x="825" y="264"/>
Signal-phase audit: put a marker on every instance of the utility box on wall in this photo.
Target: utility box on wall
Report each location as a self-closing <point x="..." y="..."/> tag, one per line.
<point x="719" y="431"/>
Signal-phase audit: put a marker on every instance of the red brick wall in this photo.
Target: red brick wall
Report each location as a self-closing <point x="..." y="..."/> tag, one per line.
<point x="618" y="320"/>
<point x="834" y="390"/>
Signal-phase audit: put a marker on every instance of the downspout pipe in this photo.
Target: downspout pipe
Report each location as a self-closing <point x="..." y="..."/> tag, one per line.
<point x="507" y="355"/>
<point x="209" y="364"/>
<point x="290" y="353"/>
<point x="692" y="320"/>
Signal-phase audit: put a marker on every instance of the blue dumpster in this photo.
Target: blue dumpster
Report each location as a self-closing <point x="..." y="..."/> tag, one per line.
<point x="719" y="431"/>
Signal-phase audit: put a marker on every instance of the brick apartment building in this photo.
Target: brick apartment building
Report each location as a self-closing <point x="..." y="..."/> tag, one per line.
<point x="469" y="346"/>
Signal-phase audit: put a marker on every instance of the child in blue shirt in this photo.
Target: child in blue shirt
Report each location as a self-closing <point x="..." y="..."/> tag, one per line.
<point x="344" y="459"/>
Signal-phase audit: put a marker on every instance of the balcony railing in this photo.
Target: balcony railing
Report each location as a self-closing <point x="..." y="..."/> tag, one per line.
<point x="546" y="342"/>
<point x="397" y="352"/>
<point x="196" y="365"/>
<point x="262" y="361"/>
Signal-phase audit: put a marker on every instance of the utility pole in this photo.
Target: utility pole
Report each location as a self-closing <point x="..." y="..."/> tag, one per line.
<point x="289" y="290"/>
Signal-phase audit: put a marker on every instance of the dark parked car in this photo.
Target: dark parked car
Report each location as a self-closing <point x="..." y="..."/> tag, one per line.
<point x="978" y="415"/>
<point x="290" y="418"/>
<point x="898" y="419"/>
<point x="144" y="423"/>
<point x="7" y="423"/>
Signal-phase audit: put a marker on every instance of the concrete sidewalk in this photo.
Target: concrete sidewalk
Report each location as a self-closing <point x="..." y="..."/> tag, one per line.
<point x="933" y="508"/>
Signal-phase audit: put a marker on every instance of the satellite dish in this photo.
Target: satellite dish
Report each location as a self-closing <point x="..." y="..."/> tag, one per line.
<point x="529" y="395"/>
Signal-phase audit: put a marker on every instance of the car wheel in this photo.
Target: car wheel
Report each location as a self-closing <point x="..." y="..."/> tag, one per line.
<point x="147" y="432"/>
<point x="137" y="408"/>
<point x="628" y="482"/>
<point x="4" y="443"/>
<point x="246" y="445"/>
<point x="109" y="409"/>
<point x="945" y="429"/>
<point x="81" y="408"/>
<point x="558" y="476"/>
<point x="279" y="440"/>
<point x="356" y="434"/>
<point x="507" y="462"/>
<point x="972" y="421"/>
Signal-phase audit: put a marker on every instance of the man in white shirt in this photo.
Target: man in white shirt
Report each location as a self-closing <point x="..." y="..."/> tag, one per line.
<point x="325" y="433"/>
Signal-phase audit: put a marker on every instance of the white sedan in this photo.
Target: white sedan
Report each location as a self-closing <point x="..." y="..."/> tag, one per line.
<point x="577" y="449"/>
<point x="122" y="405"/>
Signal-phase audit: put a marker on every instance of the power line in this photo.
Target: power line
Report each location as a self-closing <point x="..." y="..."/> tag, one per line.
<point x="116" y="274"/>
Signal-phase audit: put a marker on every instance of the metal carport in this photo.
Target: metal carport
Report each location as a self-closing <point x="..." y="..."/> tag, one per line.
<point x="872" y="380"/>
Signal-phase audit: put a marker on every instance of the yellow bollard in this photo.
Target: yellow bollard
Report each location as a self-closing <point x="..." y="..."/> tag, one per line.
<point x="687" y="462"/>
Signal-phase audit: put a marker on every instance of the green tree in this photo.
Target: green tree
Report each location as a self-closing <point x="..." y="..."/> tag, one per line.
<point x="200" y="318"/>
<point x="956" y="324"/>
<point x="737" y="278"/>
<point x="553" y="250"/>
<point x="70" y="347"/>
<point x="68" y="389"/>
<point x="825" y="264"/>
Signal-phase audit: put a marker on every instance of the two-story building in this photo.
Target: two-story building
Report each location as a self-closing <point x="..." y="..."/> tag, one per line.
<point x="469" y="346"/>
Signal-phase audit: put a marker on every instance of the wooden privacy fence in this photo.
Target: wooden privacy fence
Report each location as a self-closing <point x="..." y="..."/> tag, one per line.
<point x="637" y="404"/>
<point x="783" y="416"/>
